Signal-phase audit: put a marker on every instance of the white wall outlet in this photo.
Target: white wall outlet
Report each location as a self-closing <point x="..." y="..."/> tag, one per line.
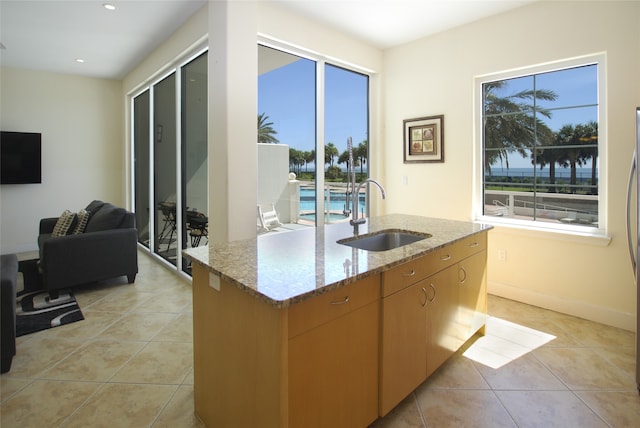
<point x="405" y="180"/>
<point x="502" y="255"/>
<point x="214" y="281"/>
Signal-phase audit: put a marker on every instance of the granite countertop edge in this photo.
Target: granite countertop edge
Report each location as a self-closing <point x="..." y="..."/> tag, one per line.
<point x="225" y="255"/>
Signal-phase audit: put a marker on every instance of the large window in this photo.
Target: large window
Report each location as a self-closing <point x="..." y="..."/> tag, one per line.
<point x="542" y="147"/>
<point x="307" y="110"/>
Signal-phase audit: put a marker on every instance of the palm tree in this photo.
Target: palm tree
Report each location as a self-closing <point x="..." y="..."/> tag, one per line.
<point x="545" y="154"/>
<point x="570" y="156"/>
<point x="309" y="156"/>
<point x="579" y="145"/>
<point x="589" y="136"/>
<point x="361" y="153"/>
<point x="266" y="134"/>
<point x="296" y="159"/>
<point x="330" y="152"/>
<point x="510" y="125"/>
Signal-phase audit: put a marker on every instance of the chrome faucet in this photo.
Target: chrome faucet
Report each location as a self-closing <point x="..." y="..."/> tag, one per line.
<point x="355" y="221"/>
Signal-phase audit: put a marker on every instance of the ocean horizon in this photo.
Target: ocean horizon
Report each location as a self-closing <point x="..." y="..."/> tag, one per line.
<point x="544" y="172"/>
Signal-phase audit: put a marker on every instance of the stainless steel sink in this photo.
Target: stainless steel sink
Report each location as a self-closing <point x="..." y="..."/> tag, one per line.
<point x="384" y="240"/>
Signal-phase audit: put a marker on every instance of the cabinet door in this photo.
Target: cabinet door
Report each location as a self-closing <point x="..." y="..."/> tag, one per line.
<point x="403" y="347"/>
<point x="333" y="372"/>
<point x="443" y="338"/>
<point x="472" y="277"/>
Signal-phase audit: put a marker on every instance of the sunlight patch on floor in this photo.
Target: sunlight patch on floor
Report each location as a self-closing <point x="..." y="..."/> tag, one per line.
<point x="504" y="342"/>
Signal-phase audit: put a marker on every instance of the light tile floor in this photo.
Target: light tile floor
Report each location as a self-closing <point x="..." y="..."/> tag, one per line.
<point x="129" y="364"/>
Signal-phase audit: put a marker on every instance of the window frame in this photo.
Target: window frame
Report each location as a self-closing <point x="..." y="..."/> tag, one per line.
<point x="601" y="231"/>
<point x="322" y="60"/>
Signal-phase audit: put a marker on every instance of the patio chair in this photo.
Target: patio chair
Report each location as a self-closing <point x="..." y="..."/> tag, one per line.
<point x="268" y="217"/>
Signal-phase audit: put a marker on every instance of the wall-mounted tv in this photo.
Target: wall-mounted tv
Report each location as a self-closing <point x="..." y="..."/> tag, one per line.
<point x="20" y="157"/>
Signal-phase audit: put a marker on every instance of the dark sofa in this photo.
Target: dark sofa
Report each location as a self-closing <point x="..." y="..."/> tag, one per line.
<point x="9" y="274"/>
<point x="106" y="249"/>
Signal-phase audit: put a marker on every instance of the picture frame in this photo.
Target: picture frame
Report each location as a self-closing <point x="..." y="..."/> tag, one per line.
<point x="424" y="139"/>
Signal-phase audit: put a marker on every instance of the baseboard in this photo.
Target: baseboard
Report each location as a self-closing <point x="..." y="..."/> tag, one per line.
<point x="601" y="314"/>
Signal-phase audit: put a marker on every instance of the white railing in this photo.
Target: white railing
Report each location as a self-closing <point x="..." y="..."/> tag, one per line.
<point x="566" y="208"/>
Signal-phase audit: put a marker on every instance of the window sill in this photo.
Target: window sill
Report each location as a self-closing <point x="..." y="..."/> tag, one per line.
<point x="576" y="234"/>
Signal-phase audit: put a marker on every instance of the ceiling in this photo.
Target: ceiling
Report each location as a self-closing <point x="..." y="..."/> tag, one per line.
<point x="51" y="34"/>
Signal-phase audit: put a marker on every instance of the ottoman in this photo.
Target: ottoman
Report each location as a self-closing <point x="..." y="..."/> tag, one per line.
<point x="9" y="274"/>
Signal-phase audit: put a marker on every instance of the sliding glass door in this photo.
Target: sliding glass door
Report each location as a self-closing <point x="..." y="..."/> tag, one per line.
<point x="164" y="168"/>
<point x="141" y="124"/>
<point x="193" y="177"/>
<point x="170" y="162"/>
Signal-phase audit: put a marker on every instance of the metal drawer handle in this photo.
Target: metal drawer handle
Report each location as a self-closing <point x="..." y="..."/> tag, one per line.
<point x="475" y="244"/>
<point x="412" y="273"/>
<point x="464" y="278"/>
<point x="445" y="258"/>
<point x="426" y="297"/>
<point x="433" y="287"/>
<point x="340" y="302"/>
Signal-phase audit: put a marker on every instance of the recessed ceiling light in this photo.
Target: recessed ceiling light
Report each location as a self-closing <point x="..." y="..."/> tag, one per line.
<point x="79" y="60"/>
<point x="108" y="6"/>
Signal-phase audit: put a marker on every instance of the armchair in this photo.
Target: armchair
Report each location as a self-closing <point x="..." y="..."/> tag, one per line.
<point x="106" y="249"/>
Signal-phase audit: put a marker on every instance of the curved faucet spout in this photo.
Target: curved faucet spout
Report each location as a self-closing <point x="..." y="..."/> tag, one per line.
<point x="371" y="180"/>
<point x="355" y="221"/>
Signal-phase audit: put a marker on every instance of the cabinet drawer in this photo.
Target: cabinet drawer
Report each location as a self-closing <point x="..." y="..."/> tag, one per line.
<point x="320" y="309"/>
<point x="472" y="245"/>
<point x="402" y="276"/>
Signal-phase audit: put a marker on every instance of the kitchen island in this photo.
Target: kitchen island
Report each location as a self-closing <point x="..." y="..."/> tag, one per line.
<point x="294" y="329"/>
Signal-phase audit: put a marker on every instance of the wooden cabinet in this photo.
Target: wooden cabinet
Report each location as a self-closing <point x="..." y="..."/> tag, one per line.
<point x="443" y="339"/>
<point x="333" y="357"/>
<point x="340" y="358"/>
<point x="430" y="307"/>
<point x="472" y="279"/>
<point x="404" y="334"/>
<point x="313" y="364"/>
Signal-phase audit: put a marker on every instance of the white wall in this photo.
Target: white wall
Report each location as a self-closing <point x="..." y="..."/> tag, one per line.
<point x="435" y="75"/>
<point x="82" y="148"/>
<point x="273" y="178"/>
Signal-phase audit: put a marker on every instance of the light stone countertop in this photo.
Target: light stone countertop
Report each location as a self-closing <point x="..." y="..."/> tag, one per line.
<point x="284" y="267"/>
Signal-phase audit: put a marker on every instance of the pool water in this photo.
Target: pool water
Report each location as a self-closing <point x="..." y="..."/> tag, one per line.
<point x="337" y="203"/>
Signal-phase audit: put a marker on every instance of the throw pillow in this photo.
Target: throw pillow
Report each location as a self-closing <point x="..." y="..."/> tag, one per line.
<point x="107" y="218"/>
<point x="83" y="219"/>
<point x="64" y="223"/>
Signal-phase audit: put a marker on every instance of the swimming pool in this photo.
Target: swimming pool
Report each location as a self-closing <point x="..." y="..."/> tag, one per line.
<point x="337" y="200"/>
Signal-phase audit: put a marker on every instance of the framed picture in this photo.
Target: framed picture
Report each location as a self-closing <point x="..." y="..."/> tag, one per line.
<point x="424" y="139"/>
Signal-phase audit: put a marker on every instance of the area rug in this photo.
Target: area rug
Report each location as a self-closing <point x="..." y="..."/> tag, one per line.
<point x="35" y="310"/>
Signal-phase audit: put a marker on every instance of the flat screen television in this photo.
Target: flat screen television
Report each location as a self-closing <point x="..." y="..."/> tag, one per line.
<point x="20" y="157"/>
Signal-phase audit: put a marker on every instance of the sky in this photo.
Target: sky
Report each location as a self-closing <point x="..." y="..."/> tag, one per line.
<point x="287" y="96"/>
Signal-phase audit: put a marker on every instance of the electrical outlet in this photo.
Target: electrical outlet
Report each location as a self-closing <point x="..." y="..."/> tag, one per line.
<point x="405" y="180"/>
<point x="502" y="255"/>
<point x="214" y="281"/>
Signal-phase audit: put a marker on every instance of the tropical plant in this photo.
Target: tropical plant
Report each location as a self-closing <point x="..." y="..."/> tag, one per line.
<point x="296" y="159"/>
<point x="361" y="154"/>
<point x="266" y="133"/>
<point x="330" y="153"/>
<point x="579" y="144"/>
<point x="589" y="136"/>
<point x="309" y="156"/>
<point x="510" y="125"/>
